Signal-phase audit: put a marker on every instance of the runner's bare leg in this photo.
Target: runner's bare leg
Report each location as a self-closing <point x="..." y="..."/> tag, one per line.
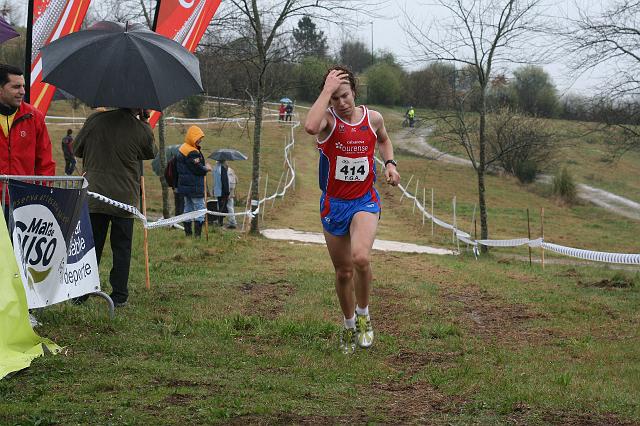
<point x="340" y="252"/>
<point x="363" y="233"/>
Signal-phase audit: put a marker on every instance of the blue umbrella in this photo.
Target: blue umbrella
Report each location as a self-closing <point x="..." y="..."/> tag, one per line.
<point x="286" y="101"/>
<point x="226" y="154"/>
<point x="169" y="152"/>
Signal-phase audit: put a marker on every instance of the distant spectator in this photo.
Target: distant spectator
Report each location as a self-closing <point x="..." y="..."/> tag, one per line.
<point x="281" y="112"/>
<point x="191" y="172"/>
<point x="233" y="182"/>
<point x="289" y="110"/>
<point x="67" y="150"/>
<point x="221" y="188"/>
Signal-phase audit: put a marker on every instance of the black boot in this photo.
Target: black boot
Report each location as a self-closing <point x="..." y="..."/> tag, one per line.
<point x="198" y="229"/>
<point x="187" y="228"/>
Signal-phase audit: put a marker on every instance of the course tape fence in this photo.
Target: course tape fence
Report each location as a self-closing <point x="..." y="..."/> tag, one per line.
<point x="170" y="221"/>
<point x="595" y="256"/>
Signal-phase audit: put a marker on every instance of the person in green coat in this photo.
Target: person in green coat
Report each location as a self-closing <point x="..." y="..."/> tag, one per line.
<point x="112" y="145"/>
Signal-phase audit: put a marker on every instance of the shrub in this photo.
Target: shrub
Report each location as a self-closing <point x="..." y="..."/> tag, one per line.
<point x="564" y="188"/>
<point x="526" y="171"/>
<point x="522" y="146"/>
<point x="192" y="106"/>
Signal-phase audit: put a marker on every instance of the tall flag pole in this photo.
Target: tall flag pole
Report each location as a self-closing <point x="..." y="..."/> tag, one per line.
<point x="27" y="54"/>
<point x="185" y="22"/>
<point x="155" y="15"/>
<point x="48" y="20"/>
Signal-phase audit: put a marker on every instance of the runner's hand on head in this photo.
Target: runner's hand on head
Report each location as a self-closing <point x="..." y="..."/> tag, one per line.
<point x="334" y="79"/>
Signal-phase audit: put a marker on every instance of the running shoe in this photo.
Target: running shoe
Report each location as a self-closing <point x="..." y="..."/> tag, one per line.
<point x="364" y="331"/>
<point x="348" y="340"/>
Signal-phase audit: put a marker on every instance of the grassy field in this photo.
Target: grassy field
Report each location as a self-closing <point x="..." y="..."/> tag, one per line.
<point x="241" y="329"/>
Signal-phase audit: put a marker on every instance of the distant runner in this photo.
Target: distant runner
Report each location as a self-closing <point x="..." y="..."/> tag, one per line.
<point x="350" y="208"/>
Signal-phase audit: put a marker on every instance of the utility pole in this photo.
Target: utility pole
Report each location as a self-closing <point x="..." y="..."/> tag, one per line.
<point x="371" y="42"/>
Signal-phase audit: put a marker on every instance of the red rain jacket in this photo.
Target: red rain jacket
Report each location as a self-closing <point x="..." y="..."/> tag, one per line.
<point x="27" y="150"/>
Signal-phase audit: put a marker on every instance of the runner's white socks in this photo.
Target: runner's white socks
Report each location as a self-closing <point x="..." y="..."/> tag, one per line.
<point x="350" y="323"/>
<point x="362" y="311"/>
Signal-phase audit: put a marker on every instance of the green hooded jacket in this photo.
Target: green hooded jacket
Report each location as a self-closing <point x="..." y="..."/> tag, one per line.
<point x="112" y="145"/>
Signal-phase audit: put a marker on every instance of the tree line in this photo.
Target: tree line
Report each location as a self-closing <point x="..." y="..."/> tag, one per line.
<point x="266" y="50"/>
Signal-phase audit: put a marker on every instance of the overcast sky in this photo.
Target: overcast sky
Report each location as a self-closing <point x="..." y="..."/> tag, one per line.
<point x="389" y="35"/>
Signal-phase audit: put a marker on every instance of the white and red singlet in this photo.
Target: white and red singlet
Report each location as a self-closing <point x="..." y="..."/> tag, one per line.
<point x="347" y="167"/>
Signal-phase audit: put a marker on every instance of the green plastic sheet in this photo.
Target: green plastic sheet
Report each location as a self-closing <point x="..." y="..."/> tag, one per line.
<point x="19" y="344"/>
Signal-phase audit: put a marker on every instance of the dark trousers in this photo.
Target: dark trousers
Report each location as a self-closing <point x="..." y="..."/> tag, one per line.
<point x="69" y="167"/>
<point x="222" y="208"/>
<point x="121" y="237"/>
<point x="178" y="202"/>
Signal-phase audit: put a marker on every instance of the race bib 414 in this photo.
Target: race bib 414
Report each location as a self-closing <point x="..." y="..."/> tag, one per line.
<point x="352" y="169"/>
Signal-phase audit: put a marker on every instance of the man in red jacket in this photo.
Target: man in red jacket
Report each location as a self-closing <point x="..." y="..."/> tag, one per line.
<point x="25" y="147"/>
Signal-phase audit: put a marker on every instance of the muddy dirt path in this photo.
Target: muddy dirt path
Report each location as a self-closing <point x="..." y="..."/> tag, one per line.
<point x="415" y="142"/>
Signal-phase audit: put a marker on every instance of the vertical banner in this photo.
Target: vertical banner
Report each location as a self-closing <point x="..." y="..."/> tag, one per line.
<point x="52" y="242"/>
<point x="184" y="21"/>
<point x="49" y="20"/>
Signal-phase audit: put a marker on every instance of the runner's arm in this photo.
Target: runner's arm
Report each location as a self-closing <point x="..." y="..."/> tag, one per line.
<point x="385" y="148"/>
<point x="317" y="120"/>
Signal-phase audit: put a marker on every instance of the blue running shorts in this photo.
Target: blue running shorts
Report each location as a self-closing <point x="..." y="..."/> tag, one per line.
<point x="337" y="213"/>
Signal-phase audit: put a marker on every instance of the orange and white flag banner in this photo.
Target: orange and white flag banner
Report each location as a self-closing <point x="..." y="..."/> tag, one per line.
<point x="184" y="21"/>
<point x="51" y="19"/>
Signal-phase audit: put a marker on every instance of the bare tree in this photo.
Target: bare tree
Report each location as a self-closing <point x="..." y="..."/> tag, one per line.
<point x="261" y="36"/>
<point x="10" y="12"/>
<point x="610" y="40"/>
<point x="610" y="37"/>
<point x="121" y="11"/>
<point x="481" y="36"/>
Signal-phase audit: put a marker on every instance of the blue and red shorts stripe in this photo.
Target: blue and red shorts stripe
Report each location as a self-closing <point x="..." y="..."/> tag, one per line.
<point x="336" y="213"/>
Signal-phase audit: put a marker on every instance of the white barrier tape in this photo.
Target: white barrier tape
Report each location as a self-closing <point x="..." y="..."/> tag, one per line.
<point x="292" y="176"/>
<point x="198" y="213"/>
<point x="162" y="222"/>
<point x="184" y="217"/>
<point x="58" y="117"/>
<point x="596" y="256"/>
<point x="118" y="204"/>
<point x="535" y="243"/>
<point x="504" y="243"/>
<point x="467" y="240"/>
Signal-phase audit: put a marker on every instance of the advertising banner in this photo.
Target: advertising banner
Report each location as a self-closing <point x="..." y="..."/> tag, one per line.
<point x="81" y="273"/>
<point x="52" y="242"/>
<point x="50" y="20"/>
<point x="184" y="21"/>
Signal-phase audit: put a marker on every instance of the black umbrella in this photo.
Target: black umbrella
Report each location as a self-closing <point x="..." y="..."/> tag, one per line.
<point x="121" y="65"/>
<point x="226" y="154"/>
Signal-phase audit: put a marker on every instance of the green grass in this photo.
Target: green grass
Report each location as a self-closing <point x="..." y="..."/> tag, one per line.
<point x="241" y="329"/>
